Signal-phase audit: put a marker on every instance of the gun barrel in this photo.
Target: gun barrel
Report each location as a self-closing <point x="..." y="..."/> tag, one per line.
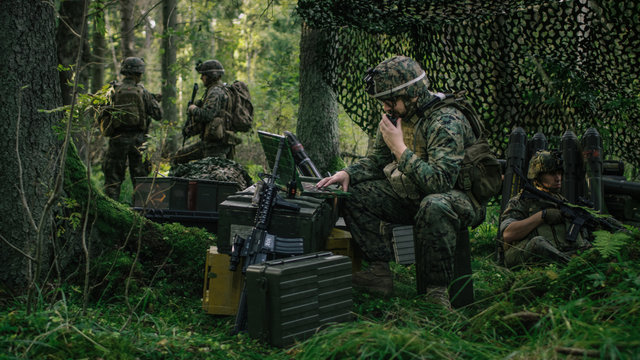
<point x="193" y="93"/>
<point x="304" y="163"/>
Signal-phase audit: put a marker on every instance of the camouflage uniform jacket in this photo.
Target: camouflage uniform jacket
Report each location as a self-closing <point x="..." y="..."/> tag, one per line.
<point x="521" y="207"/>
<point x="214" y="102"/>
<point x="152" y="108"/>
<point x="435" y="149"/>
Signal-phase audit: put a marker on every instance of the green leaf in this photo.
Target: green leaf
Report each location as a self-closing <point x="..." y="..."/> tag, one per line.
<point x="609" y="244"/>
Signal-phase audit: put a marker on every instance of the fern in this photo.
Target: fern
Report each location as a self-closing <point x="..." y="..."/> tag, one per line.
<point x="609" y="244"/>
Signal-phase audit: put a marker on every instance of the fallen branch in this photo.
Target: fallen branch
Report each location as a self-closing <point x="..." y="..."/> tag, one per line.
<point x="577" y="351"/>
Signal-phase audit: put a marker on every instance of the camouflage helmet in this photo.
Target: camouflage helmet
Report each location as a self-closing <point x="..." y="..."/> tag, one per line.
<point x="397" y="76"/>
<point x="211" y="68"/>
<point x="132" y="66"/>
<point x="544" y="161"/>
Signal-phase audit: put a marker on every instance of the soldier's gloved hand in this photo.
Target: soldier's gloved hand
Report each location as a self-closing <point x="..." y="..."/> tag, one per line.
<point x="552" y="216"/>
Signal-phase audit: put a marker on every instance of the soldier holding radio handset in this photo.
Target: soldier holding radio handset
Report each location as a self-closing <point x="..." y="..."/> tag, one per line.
<point x="409" y="177"/>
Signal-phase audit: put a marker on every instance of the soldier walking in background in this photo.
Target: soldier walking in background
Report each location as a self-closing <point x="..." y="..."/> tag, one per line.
<point x="125" y="120"/>
<point x="206" y="118"/>
<point x="532" y="229"/>
<point x="409" y="178"/>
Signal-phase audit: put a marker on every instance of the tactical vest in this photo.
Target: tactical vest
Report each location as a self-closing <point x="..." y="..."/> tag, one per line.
<point x="555" y="234"/>
<point x="480" y="173"/>
<point x="128" y="107"/>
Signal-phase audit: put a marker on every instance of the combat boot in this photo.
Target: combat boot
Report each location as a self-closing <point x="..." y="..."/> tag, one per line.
<point x="438" y="295"/>
<point x="376" y="279"/>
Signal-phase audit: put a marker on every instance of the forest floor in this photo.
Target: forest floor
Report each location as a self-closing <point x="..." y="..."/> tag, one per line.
<point x="587" y="309"/>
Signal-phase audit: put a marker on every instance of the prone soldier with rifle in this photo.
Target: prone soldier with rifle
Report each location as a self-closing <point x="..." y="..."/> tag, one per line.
<point x="539" y="224"/>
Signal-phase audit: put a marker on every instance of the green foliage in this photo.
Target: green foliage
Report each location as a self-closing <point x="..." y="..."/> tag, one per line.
<point x="591" y="305"/>
<point x="609" y="244"/>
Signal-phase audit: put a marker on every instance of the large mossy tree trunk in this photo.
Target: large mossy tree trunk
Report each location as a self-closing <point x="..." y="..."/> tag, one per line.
<point x="29" y="83"/>
<point x="317" y="127"/>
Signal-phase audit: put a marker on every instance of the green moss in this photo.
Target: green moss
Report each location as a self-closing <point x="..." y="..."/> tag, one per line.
<point x="171" y="253"/>
<point x="336" y="164"/>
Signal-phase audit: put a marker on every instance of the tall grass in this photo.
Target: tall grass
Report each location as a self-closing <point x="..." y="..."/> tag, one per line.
<point x="587" y="309"/>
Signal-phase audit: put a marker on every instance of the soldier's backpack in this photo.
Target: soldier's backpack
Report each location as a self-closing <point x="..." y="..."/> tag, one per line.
<point x="480" y="174"/>
<point x="239" y="112"/>
<point x="127" y="110"/>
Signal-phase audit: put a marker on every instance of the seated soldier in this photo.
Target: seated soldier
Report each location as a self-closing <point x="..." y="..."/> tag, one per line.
<point x="534" y="230"/>
<point x="409" y="178"/>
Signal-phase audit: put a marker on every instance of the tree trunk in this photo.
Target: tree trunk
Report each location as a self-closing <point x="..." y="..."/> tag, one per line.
<point x="29" y="82"/>
<point x="99" y="52"/>
<point x="126" y="28"/>
<point x="169" y="16"/>
<point x="317" y="126"/>
<point x="68" y="41"/>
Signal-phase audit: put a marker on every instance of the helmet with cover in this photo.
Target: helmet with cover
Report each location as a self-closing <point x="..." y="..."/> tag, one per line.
<point x="395" y="77"/>
<point x="543" y="162"/>
<point x="132" y="66"/>
<point x="211" y="68"/>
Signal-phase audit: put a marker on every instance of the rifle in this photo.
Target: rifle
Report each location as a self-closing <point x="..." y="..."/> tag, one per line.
<point x="579" y="215"/>
<point x="257" y="246"/>
<point x="187" y="126"/>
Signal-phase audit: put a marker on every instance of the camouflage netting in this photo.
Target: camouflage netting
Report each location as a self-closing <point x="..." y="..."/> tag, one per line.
<point x="213" y="168"/>
<point x="546" y="66"/>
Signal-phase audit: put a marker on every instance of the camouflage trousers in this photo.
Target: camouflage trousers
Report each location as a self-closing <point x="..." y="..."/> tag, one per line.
<point x="535" y="250"/>
<point x="436" y="220"/>
<point x="122" y="148"/>
<point x="201" y="150"/>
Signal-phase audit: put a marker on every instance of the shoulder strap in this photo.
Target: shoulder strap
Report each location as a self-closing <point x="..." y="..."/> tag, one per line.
<point x="440" y="100"/>
<point x="458" y="100"/>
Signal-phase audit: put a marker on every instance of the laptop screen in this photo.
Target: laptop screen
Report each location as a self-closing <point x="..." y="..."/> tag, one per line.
<point x="287" y="170"/>
<point x="286" y="166"/>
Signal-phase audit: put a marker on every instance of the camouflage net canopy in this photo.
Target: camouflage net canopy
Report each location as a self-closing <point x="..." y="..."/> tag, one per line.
<point x="546" y="66"/>
<point x="213" y="168"/>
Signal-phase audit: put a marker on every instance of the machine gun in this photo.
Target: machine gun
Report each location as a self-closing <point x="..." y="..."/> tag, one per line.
<point x="260" y="244"/>
<point x="187" y="129"/>
<point x="579" y="215"/>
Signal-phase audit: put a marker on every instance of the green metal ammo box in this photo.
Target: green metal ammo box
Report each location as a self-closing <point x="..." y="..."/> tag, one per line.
<point x="403" y="247"/>
<point x="160" y="193"/>
<point x="313" y="223"/>
<point x="206" y="195"/>
<point x="289" y="299"/>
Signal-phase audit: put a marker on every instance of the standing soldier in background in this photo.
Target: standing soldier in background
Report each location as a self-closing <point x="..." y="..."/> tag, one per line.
<point x="207" y="118"/>
<point x="534" y="230"/>
<point x="126" y="120"/>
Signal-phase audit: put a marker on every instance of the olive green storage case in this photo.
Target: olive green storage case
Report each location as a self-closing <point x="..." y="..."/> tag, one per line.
<point x="313" y="222"/>
<point x="289" y="299"/>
